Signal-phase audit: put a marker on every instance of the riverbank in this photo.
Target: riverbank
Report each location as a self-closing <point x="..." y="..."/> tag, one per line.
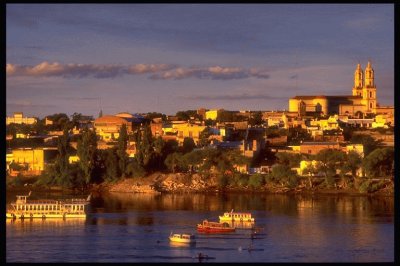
<point x="184" y="183"/>
<point x="195" y="183"/>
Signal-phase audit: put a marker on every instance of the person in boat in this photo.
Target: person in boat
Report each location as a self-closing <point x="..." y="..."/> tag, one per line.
<point x="201" y="256"/>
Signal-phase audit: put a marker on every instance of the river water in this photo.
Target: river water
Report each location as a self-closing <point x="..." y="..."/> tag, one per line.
<point x="135" y="228"/>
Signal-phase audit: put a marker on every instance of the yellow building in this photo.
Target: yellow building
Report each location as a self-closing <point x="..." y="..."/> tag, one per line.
<point x="326" y="124"/>
<point x="107" y="127"/>
<point x="19" y="118"/>
<point x="34" y="159"/>
<point x="362" y="101"/>
<point x="213" y="114"/>
<point x="381" y="121"/>
<point x="188" y="130"/>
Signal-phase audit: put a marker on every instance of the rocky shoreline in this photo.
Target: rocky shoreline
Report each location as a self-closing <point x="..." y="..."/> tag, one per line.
<point x="195" y="183"/>
<point x="185" y="183"/>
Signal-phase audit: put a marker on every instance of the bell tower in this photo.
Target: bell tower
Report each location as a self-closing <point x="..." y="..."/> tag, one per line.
<point x="358" y="81"/>
<point x="369" y="90"/>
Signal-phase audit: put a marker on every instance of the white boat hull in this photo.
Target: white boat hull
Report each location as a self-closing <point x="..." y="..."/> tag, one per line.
<point x="44" y="216"/>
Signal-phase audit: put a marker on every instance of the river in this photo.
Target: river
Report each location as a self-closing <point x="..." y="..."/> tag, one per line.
<point x="135" y="228"/>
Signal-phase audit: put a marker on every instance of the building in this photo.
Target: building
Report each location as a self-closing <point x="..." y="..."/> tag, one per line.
<point x="18" y="118"/>
<point x="188" y="130"/>
<point x="315" y="147"/>
<point x="108" y="126"/>
<point x="253" y="143"/>
<point x="34" y="159"/>
<point x="213" y="114"/>
<point x="363" y="100"/>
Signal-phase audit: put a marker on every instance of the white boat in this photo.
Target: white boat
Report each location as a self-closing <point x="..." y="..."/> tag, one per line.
<point x="29" y="209"/>
<point x="237" y="217"/>
<point x="182" y="238"/>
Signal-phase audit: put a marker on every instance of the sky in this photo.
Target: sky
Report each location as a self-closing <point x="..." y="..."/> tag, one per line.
<point x="139" y="58"/>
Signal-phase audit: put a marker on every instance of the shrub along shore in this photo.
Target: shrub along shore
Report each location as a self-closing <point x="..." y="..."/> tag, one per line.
<point x="196" y="183"/>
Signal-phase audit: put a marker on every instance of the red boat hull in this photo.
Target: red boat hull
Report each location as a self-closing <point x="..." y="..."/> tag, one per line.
<point x="211" y="230"/>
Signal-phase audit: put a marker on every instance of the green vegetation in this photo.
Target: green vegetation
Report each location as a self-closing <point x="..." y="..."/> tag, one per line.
<point x="379" y="163"/>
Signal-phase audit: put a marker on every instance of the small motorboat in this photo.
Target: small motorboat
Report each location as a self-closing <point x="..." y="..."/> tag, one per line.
<point x="182" y="238"/>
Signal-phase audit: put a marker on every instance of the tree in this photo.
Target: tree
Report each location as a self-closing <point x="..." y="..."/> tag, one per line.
<point x="256" y="180"/>
<point x="75" y="118"/>
<point x="289" y="159"/>
<point x="379" y="162"/>
<point x="256" y="118"/>
<point x="173" y="161"/>
<point x="310" y="170"/>
<point x="121" y="149"/>
<point x="61" y="163"/>
<point x="297" y="134"/>
<point x="144" y="144"/>
<point x="60" y="120"/>
<point x="111" y="165"/>
<point x="86" y="150"/>
<point x="188" y="145"/>
<point x="203" y="138"/>
<point x="329" y="161"/>
<point x="351" y="164"/>
<point x="153" y="115"/>
<point x="367" y="141"/>
<point x="133" y="169"/>
<point x="186" y="115"/>
<point x="159" y="153"/>
<point x="284" y="175"/>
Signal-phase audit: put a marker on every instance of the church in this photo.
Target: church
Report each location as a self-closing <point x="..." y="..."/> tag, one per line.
<point x="362" y="102"/>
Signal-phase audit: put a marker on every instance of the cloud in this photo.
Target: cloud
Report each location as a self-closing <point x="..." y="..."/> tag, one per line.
<point x="243" y="96"/>
<point x="156" y="71"/>
<point x="46" y="69"/>
<point x="213" y="72"/>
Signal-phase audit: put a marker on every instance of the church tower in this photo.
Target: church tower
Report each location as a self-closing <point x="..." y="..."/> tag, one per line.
<point x="358" y="81"/>
<point x="369" y="90"/>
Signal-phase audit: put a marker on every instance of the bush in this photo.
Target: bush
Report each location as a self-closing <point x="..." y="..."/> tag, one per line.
<point x="329" y="181"/>
<point x="269" y="178"/>
<point x="222" y="180"/>
<point x="15" y="181"/>
<point x="292" y="181"/>
<point x="256" y="180"/>
<point x="240" y="180"/>
<point x="135" y="170"/>
<point x="365" y="186"/>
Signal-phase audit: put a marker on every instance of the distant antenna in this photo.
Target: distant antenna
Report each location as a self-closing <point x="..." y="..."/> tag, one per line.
<point x="101" y="109"/>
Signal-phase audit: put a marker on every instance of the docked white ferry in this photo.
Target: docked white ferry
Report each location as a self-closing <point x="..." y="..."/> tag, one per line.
<point x="236" y="217"/>
<point x="23" y="208"/>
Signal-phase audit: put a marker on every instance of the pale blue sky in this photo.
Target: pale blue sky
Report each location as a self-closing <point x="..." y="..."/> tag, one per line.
<point x="171" y="57"/>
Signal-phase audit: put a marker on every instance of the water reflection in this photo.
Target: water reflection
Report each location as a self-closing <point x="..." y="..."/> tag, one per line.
<point x="350" y="207"/>
<point x="182" y="245"/>
<point x="125" y="227"/>
<point x="47" y="222"/>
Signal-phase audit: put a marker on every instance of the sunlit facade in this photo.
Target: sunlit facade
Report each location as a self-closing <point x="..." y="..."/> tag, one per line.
<point x="362" y="101"/>
<point x="18" y="118"/>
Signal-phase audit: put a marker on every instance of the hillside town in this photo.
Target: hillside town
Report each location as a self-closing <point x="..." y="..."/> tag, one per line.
<point x="325" y="142"/>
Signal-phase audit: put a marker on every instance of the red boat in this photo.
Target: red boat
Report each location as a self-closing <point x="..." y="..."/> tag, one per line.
<point x="214" y="227"/>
